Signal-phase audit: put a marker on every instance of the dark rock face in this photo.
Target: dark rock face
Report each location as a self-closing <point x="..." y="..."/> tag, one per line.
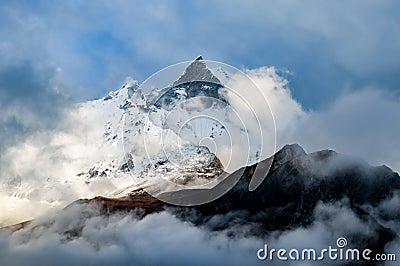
<point x="296" y="183"/>
<point x="196" y="71"/>
<point x="323" y="175"/>
<point x="197" y="80"/>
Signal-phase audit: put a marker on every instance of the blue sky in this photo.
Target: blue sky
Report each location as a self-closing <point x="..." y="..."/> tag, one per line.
<point x="327" y="46"/>
<point x="56" y="53"/>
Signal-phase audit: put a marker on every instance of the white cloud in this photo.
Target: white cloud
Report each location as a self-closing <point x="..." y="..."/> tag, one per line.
<point x="331" y="221"/>
<point x="40" y="172"/>
<point x="161" y="238"/>
<point x="157" y="239"/>
<point x="363" y="123"/>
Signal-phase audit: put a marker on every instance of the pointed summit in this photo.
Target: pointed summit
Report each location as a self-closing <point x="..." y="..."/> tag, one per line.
<point x="197" y="80"/>
<point x="197" y="71"/>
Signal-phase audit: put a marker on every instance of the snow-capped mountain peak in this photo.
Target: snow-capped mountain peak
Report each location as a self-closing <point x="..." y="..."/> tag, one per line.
<point x="127" y="117"/>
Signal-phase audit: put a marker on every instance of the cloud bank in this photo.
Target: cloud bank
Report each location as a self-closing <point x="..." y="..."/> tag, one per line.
<point x="161" y="238"/>
<point x="123" y="239"/>
<point x="363" y="123"/>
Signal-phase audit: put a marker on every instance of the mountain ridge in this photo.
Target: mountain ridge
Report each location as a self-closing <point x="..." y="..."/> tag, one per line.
<point x="294" y="182"/>
<point x="295" y="195"/>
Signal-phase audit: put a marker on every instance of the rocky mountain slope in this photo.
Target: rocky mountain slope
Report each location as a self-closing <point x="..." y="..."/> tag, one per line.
<point x="288" y="198"/>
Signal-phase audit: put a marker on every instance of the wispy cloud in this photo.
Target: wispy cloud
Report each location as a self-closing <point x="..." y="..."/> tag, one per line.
<point x="30" y="100"/>
<point x="327" y="45"/>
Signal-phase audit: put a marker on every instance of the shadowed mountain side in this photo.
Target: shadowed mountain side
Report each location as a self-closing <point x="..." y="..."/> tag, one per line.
<point x="286" y="199"/>
<point x="197" y="80"/>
